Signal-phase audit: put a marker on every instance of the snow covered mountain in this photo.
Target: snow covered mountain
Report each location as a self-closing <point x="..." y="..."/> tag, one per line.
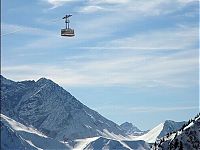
<point x="130" y="129"/>
<point x="38" y="112"/>
<point x="159" y="131"/>
<point x="54" y="111"/>
<point x="187" y="138"/>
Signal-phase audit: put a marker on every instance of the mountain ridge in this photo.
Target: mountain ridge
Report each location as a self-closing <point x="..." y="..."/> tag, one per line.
<point x="187" y="137"/>
<point x="53" y="110"/>
<point x="56" y="113"/>
<point x="159" y="131"/>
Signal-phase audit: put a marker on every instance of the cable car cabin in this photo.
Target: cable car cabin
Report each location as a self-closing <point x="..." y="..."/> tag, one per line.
<point x="67" y="32"/>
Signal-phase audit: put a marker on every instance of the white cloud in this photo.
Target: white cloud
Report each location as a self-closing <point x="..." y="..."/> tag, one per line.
<point x="109" y="1"/>
<point x="136" y="67"/>
<point x="90" y="9"/>
<point x="155" y="7"/>
<point x="142" y="7"/>
<point x="187" y="1"/>
<point x="57" y="3"/>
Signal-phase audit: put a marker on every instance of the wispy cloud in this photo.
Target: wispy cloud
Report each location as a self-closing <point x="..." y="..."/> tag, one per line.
<point x="141" y="7"/>
<point x="137" y="68"/>
<point x="127" y="110"/>
<point x="155" y="7"/>
<point x="90" y="9"/>
<point x="167" y="39"/>
<point x="108" y="1"/>
<point x="57" y="3"/>
<point x="109" y="70"/>
<point x="174" y="38"/>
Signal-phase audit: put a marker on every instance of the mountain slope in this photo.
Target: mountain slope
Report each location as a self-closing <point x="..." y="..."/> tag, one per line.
<point x="188" y="137"/>
<point x="98" y="143"/>
<point x="11" y="140"/>
<point x="54" y="111"/>
<point x="105" y="143"/>
<point x="15" y="135"/>
<point x="152" y="135"/>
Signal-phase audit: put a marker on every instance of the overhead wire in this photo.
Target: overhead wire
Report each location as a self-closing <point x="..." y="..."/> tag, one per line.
<point x="9" y="33"/>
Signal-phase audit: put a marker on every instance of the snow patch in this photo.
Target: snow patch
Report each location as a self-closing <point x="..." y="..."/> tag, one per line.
<point x="152" y="135"/>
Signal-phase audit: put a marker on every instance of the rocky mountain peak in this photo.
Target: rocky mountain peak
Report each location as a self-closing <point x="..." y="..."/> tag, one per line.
<point x="6" y="81"/>
<point x="129" y="128"/>
<point x="43" y="81"/>
<point x="54" y="111"/>
<point x="170" y="126"/>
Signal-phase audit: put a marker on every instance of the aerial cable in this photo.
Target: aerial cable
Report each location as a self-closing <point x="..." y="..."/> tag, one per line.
<point x="68" y="31"/>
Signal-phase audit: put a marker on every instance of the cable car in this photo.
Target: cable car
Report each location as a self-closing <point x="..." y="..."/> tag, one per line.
<point x="67" y="31"/>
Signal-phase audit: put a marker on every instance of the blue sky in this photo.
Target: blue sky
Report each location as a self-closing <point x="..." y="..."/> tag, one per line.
<point x="130" y="60"/>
